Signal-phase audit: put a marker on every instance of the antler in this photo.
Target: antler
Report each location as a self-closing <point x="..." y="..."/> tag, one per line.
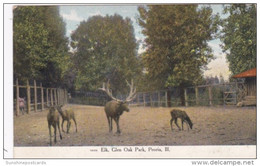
<point x="130" y="97"/>
<point x="132" y="93"/>
<point x="106" y="89"/>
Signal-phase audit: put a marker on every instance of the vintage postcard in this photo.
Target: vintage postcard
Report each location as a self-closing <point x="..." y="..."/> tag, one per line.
<point x="175" y="81"/>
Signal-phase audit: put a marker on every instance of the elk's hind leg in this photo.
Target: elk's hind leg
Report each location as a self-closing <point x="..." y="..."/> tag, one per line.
<point x="171" y="123"/>
<point x="55" y="129"/>
<point x="59" y="129"/>
<point x="75" y="124"/>
<point x="109" y="119"/>
<point x="68" y="126"/>
<point x="49" y="125"/>
<point x="62" y="125"/>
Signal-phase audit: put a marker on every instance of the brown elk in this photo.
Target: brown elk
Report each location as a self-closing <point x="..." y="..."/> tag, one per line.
<point x="53" y="119"/>
<point x="67" y="115"/>
<point x="115" y="108"/>
<point x="175" y="114"/>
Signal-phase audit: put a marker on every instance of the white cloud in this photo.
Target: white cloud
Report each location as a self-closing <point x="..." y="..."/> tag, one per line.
<point x="217" y="67"/>
<point x="70" y="31"/>
<point x="141" y="50"/>
<point x="217" y="50"/>
<point x="72" y="16"/>
<point x="96" y="13"/>
<point x="214" y="46"/>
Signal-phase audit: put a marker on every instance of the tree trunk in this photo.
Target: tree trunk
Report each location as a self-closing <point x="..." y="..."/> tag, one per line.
<point x="182" y="97"/>
<point x="169" y="98"/>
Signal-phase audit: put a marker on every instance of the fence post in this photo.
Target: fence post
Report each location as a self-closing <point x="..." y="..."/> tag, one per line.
<point x="210" y="96"/>
<point x="28" y="97"/>
<point x="47" y="97"/>
<point x="186" y="97"/>
<point x="159" y="100"/>
<point x="51" y="96"/>
<point x="17" y="98"/>
<point x="197" y="95"/>
<point x="236" y="99"/>
<point x="137" y="96"/>
<point x="58" y="96"/>
<point x="62" y="93"/>
<point x="224" y="89"/>
<point x="66" y="96"/>
<point x="42" y="97"/>
<point x="35" y="96"/>
<point x="151" y="99"/>
<point x="166" y="97"/>
<point x="144" y="99"/>
<point x="63" y="96"/>
<point x="55" y="96"/>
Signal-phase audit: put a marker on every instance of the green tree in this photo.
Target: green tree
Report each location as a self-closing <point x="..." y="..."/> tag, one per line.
<point x="105" y="49"/>
<point x="239" y="37"/>
<point x="176" y="41"/>
<point x="40" y="45"/>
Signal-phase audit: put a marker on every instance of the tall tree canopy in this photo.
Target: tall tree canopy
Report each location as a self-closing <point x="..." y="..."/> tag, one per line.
<point x="105" y="49"/>
<point x="176" y="41"/>
<point x="40" y="45"/>
<point x="239" y="37"/>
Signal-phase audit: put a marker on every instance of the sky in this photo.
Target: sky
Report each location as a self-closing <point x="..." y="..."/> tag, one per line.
<point x="73" y="15"/>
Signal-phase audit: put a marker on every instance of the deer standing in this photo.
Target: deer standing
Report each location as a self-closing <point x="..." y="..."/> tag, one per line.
<point x="115" y="108"/>
<point x="67" y="115"/>
<point x="53" y="119"/>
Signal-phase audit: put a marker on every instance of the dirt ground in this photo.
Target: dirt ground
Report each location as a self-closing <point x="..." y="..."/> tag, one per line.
<point x="143" y="126"/>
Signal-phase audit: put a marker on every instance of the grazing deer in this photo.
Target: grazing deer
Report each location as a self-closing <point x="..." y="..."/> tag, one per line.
<point x="115" y="108"/>
<point x="67" y="115"/>
<point x="175" y="114"/>
<point x="53" y="119"/>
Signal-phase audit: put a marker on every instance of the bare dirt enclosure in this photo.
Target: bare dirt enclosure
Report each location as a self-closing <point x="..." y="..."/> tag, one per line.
<point x="143" y="126"/>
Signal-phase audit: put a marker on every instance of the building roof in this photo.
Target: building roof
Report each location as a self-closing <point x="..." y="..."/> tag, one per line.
<point x="248" y="73"/>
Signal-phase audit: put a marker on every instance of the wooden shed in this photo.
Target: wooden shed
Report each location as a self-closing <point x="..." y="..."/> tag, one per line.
<point x="250" y="87"/>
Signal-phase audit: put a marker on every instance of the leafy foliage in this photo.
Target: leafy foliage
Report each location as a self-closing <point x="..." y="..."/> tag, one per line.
<point x="239" y="37"/>
<point x="40" y="45"/>
<point x="105" y="49"/>
<point x="176" y="40"/>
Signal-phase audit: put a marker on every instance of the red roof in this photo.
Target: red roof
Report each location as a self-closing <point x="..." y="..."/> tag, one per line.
<point x="248" y="73"/>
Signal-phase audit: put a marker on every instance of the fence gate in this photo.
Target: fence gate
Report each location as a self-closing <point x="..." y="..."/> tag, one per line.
<point x="233" y="93"/>
<point x="241" y="91"/>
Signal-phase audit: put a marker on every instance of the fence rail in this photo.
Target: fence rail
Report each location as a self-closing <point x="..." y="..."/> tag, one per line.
<point x="201" y="95"/>
<point x="44" y="98"/>
<point x="208" y="95"/>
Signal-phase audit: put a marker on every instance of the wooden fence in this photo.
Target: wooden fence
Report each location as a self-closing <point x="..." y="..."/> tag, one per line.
<point x="152" y="98"/>
<point x="212" y="94"/>
<point x="207" y="95"/>
<point x="201" y="95"/>
<point x="48" y="97"/>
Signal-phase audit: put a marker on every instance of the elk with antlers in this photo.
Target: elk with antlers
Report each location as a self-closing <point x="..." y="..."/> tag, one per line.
<point x="115" y="108"/>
